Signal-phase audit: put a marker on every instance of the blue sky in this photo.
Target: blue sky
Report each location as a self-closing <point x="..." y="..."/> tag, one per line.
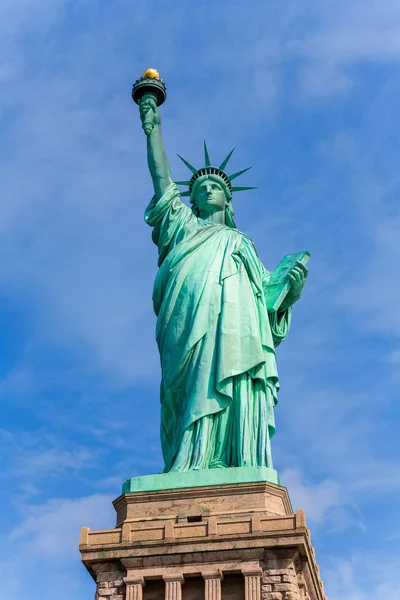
<point x="308" y="93"/>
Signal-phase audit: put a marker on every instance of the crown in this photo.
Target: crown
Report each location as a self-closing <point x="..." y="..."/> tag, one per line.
<point x="208" y="169"/>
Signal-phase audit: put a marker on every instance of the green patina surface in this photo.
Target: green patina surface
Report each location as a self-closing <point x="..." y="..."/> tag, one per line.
<point x="217" y="329"/>
<point x="201" y="478"/>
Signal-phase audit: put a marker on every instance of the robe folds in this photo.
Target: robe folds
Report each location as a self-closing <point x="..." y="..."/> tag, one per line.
<point x="216" y="341"/>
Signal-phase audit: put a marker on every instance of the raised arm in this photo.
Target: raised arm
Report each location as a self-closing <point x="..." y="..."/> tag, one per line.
<point x="156" y="155"/>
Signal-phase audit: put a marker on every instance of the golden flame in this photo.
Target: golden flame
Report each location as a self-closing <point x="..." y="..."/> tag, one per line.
<point x="151" y="74"/>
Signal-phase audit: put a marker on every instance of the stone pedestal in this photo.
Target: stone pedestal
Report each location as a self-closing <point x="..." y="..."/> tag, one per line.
<point x="225" y="542"/>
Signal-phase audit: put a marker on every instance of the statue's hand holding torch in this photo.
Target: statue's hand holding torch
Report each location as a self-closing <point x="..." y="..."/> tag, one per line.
<point x="149" y="92"/>
<point x="149" y="114"/>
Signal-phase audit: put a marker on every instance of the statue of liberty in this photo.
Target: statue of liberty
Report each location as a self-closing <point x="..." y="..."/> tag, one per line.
<point x="216" y="332"/>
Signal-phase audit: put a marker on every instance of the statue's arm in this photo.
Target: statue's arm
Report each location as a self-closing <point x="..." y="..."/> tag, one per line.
<point x="156" y="156"/>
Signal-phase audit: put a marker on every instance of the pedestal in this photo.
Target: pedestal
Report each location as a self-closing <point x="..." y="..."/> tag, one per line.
<point x="223" y="542"/>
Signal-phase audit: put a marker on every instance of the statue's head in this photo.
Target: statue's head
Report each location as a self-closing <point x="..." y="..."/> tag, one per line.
<point x="210" y="188"/>
<point x="210" y="194"/>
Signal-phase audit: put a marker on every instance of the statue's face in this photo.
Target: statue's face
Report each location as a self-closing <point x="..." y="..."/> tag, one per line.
<point x="210" y="196"/>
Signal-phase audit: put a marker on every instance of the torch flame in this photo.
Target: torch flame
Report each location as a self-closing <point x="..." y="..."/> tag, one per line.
<point x="151" y="74"/>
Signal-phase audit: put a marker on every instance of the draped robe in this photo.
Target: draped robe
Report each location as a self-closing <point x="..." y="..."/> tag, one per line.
<point x="216" y="341"/>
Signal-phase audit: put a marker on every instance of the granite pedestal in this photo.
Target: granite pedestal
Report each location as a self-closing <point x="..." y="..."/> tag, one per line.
<point x="238" y="541"/>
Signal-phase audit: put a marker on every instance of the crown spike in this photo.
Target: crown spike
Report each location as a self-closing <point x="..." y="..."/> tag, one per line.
<point x="206" y="155"/>
<point x="234" y="175"/>
<point x="225" y="162"/>
<point x="185" y="193"/>
<point x="182" y="182"/>
<point x="189" y="166"/>
<point x="242" y="188"/>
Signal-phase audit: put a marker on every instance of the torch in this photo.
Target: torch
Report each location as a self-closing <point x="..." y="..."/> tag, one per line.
<point x="149" y="86"/>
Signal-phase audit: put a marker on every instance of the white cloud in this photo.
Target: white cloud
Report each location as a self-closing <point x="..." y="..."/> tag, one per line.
<point x="16" y="383"/>
<point x="377" y="476"/>
<point x="362" y="577"/>
<point x="39" y="463"/>
<point x="34" y="458"/>
<point x="51" y="530"/>
<point x="49" y="534"/>
<point x="368" y="155"/>
<point x="316" y="499"/>
<point x="327" y="42"/>
<point x="345" y="36"/>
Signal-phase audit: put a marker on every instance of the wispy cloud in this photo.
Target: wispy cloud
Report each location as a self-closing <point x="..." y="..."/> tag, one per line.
<point x="49" y="533"/>
<point x="32" y="458"/>
<point x="316" y="499"/>
<point x="51" y="529"/>
<point x="362" y="577"/>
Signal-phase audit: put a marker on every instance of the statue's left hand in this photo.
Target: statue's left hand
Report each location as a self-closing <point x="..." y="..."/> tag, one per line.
<point x="297" y="276"/>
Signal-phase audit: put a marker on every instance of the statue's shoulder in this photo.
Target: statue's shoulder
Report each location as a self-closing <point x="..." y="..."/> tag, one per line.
<point x="246" y="238"/>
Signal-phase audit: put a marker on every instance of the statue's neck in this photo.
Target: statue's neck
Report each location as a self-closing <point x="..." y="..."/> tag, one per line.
<point x="218" y="218"/>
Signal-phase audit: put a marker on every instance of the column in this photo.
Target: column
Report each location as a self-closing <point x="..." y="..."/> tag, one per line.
<point x="212" y="580"/>
<point x="252" y="585"/>
<point x="134" y="588"/>
<point x="173" y="586"/>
